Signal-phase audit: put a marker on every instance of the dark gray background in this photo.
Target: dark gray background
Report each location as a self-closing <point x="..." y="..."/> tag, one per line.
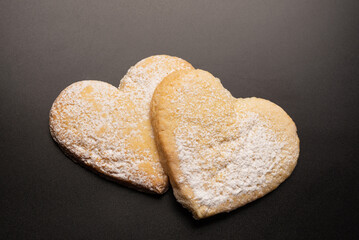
<point x="302" y="55"/>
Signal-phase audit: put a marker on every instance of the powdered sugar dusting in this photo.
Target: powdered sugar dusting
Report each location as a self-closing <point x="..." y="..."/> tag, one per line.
<point x="222" y="169"/>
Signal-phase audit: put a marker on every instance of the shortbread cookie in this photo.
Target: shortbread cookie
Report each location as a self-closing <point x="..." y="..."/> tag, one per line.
<point x="220" y="152"/>
<point x="109" y="129"/>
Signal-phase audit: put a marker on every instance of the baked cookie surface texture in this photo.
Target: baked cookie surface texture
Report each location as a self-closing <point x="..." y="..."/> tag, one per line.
<point x="220" y="152"/>
<point x="108" y="129"/>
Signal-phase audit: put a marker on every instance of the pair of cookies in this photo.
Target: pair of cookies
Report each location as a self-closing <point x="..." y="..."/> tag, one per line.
<point x="219" y="152"/>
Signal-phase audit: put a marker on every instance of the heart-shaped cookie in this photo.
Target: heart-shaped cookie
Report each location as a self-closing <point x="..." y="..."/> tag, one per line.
<point x="220" y="152"/>
<point x="109" y="130"/>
